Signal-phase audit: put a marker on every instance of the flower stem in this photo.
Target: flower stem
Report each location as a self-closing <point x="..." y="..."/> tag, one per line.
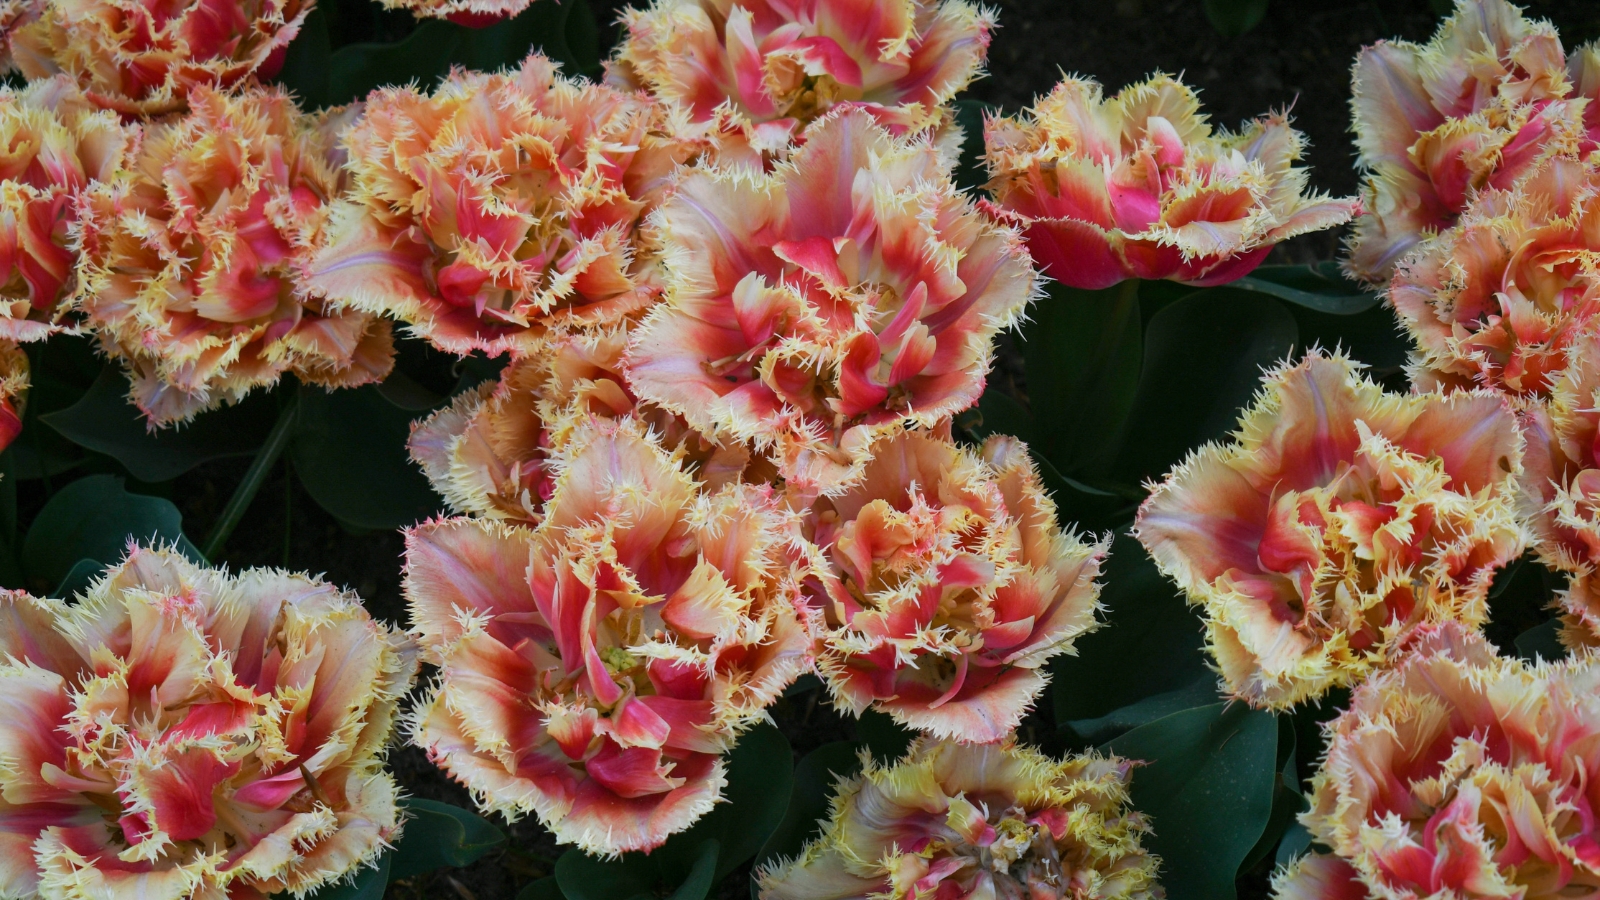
<point x="259" y="467"/>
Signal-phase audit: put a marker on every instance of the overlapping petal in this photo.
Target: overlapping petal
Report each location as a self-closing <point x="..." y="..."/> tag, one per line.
<point x="1138" y="186"/>
<point x="179" y="732"/>
<point x="1338" y="520"/>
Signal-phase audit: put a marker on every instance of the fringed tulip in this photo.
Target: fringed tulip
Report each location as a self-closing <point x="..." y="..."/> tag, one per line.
<point x="957" y="821"/>
<point x="851" y="292"/>
<point x="766" y="69"/>
<point x="1481" y="105"/>
<point x="1139" y="186"/>
<point x="593" y="670"/>
<point x="947" y="586"/>
<point x="500" y="206"/>
<point x="1338" y="520"/>
<point x="191" y="261"/>
<point x="182" y="733"/>
<point x="141" y="58"/>
<point x="1459" y="774"/>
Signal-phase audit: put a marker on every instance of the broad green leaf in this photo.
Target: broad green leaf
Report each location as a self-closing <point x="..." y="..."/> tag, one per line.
<point x="887" y="739"/>
<point x="104" y="421"/>
<point x="94" y="518"/>
<point x="1372" y="337"/>
<point x="1321" y="287"/>
<point x="814" y="780"/>
<point x="1287" y="801"/>
<point x="1199" y="692"/>
<point x="1232" y="18"/>
<point x="61" y="370"/>
<point x="697" y="884"/>
<point x="369" y="883"/>
<point x="1208" y="790"/>
<point x="1296" y="841"/>
<point x="547" y="888"/>
<point x="305" y="66"/>
<point x="438" y="835"/>
<point x="1542" y="642"/>
<point x="760" y="776"/>
<point x="582" y="877"/>
<point x="78" y="578"/>
<point x="349" y="451"/>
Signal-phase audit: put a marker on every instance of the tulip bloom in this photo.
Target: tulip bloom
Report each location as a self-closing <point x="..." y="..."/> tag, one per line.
<point x="1339" y="520"/>
<point x="1480" y="106"/>
<point x="499" y="207"/>
<point x="1460" y="774"/>
<point x="1318" y="876"/>
<point x="593" y="670"/>
<point x="1138" y="186"/>
<point x="141" y="58"/>
<point x="191" y="260"/>
<point x="957" y="821"/>
<point x="851" y="292"/>
<point x="947" y="585"/>
<point x="179" y="732"/>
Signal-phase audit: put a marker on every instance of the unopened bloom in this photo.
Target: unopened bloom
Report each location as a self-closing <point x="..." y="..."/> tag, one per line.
<point x="947" y="585"/>
<point x="849" y="293"/>
<point x="142" y="57"/>
<point x="958" y="821"/>
<point x="1338" y="520"/>
<point x="1481" y="105"/>
<point x="1139" y="186"/>
<point x="500" y="206"/>
<point x="770" y="68"/>
<point x="1461" y="774"/>
<point x="180" y="732"/>
<point x="191" y="260"/>
<point x="593" y="670"/>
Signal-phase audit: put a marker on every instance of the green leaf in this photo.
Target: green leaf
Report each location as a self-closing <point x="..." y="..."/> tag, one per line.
<point x="369" y="883"/>
<point x="581" y="877"/>
<point x="887" y="739"/>
<point x="1232" y="18"/>
<point x="1372" y="337"/>
<point x="1203" y="359"/>
<point x="78" y="578"/>
<point x="760" y="777"/>
<point x="305" y="66"/>
<point x="1542" y="642"/>
<point x="94" y="518"/>
<point x="697" y="884"/>
<point x="1199" y="692"/>
<point x="61" y="370"/>
<point x="104" y="421"/>
<point x="546" y="888"/>
<point x="438" y="835"/>
<point x="1286" y="799"/>
<point x="1321" y="287"/>
<point x="1296" y="841"/>
<point x="1208" y="790"/>
<point x="349" y="451"/>
<point x="814" y="780"/>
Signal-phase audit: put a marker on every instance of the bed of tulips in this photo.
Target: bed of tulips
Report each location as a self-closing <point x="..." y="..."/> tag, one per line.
<point x="752" y="368"/>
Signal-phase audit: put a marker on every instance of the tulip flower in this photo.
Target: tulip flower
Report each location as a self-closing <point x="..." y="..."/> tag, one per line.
<point x="947" y="585"/>
<point x="1139" y="186"/>
<point x="141" y="58"/>
<point x="959" y="821"/>
<point x="1479" y="106"/>
<point x="851" y="292"/>
<point x="191" y="261"/>
<point x="594" y="669"/>
<point x="1318" y="876"/>
<point x="180" y="732"/>
<point x="501" y="206"/>
<point x="1461" y="774"/>
<point x="1338" y="521"/>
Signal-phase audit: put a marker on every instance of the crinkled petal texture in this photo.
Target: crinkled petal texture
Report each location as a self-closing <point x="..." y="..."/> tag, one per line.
<point x="191" y="262"/>
<point x="141" y="58"/>
<point x="500" y="206"/>
<point x="946" y="585"/>
<point x="1337" y="521"/>
<point x="961" y="821"/>
<point x="179" y="732"/>
<point x="1459" y="774"/>
<point x="1139" y="186"/>
<point x="592" y="670"/>
<point x="1498" y="299"/>
<point x="851" y="292"/>
<point x="54" y="144"/>
<point x="767" y="69"/>
<point x="1479" y="106"/>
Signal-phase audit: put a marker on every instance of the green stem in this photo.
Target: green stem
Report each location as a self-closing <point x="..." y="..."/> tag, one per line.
<point x="259" y="467"/>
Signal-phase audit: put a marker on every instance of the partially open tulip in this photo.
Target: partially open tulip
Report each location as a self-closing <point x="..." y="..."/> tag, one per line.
<point x="1460" y="774"/>
<point x="1480" y="105"/>
<point x="1338" y="520"/>
<point x="53" y="145"/>
<point x="191" y="261"/>
<point x="182" y="733"/>
<point x="956" y="821"/>
<point x="500" y="206"/>
<point x="851" y="292"/>
<point x="947" y="586"/>
<point x="142" y="57"/>
<point x="768" y="68"/>
<point x="1139" y="186"/>
<point x="593" y="670"/>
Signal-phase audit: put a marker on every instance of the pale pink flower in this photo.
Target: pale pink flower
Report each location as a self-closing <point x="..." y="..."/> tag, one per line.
<point x="946" y="586"/>
<point x="851" y="292"/>
<point x="593" y="670"/>
<point x="954" y="821"/>
<point x="1139" y="186"/>
<point x="1338" y="520"/>
<point x="182" y="733"/>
